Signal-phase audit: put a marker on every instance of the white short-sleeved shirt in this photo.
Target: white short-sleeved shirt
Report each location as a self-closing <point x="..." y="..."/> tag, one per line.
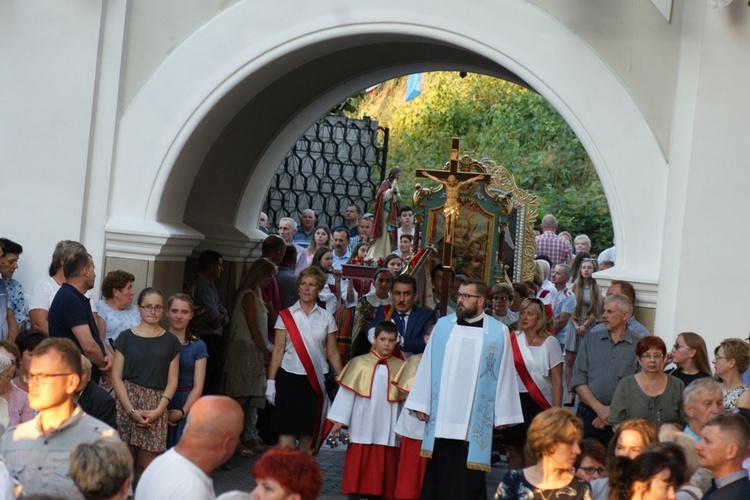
<point x="44" y="291"/>
<point x="172" y="476"/>
<point x="317" y="325"/>
<point x="546" y="356"/>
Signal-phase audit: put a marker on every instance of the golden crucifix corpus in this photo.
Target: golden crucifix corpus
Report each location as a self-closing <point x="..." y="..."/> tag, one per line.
<point x="453" y="181"/>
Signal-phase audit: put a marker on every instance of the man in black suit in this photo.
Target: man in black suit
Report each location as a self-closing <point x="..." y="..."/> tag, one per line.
<point x="722" y="447"/>
<point x="93" y="399"/>
<point x="413" y="322"/>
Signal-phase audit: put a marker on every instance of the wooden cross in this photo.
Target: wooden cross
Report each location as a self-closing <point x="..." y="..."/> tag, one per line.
<point x="452" y="180"/>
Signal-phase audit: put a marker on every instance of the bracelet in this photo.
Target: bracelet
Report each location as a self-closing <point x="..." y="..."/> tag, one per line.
<point x="184" y="415"/>
<point x="166" y="397"/>
<point x="131" y="412"/>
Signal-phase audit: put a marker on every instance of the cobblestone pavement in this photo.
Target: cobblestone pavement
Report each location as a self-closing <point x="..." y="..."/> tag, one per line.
<point x="331" y="461"/>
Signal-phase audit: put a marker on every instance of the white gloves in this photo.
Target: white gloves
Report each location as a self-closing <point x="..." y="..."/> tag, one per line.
<point x="271" y="392"/>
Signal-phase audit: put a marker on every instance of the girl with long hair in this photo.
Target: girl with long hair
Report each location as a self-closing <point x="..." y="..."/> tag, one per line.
<point x="144" y="375"/>
<point x="690" y="358"/>
<point x="322" y="237"/>
<point x="585" y="316"/>
<point x="193" y="359"/>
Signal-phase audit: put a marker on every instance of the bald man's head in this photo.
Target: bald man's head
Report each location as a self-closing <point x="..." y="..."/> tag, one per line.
<point x="549" y="222"/>
<point x="215" y="416"/>
<point x="212" y="432"/>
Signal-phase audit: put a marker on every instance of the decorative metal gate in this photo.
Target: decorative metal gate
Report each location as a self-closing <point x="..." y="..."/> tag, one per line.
<point x="337" y="162"/>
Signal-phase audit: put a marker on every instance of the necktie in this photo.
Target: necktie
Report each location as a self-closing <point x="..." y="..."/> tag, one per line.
<point x="401" y="323"/>
<point x="711" y="490"/>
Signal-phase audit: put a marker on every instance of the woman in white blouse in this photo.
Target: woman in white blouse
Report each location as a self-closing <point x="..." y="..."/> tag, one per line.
<point x="539" y="376"/>
<point x="305" y="333"/>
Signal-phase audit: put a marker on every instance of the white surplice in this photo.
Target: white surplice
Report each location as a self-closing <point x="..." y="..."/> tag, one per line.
<point x="370" y="420"/>
<point x="459" y="375"/>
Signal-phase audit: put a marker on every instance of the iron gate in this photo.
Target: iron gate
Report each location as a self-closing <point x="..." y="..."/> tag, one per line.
<point x="337" y="162"/>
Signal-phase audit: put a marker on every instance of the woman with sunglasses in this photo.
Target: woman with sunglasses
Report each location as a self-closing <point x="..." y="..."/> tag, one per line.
<point x="538" y="373"/>
<point x="690" y="358"/>
<point x="731" y="359"/>
<point x="145" y="373"/>
<point x="651" y="393"/>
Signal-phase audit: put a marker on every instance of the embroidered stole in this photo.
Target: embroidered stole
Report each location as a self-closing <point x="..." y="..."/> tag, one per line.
<point x="314" y="375"/>
<point x="483" y="408"/>
<point x="528" y="380"/>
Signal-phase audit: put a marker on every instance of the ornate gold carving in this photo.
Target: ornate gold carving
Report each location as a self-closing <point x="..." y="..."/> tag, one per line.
<point x="508" y="197"/>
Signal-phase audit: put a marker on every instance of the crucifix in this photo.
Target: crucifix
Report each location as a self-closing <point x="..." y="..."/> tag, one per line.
<point x="453" y="181"/>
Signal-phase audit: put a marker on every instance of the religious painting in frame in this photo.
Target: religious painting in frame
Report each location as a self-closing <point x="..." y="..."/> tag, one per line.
<point x="494" y="232"/>
<point x="473" y="238"/>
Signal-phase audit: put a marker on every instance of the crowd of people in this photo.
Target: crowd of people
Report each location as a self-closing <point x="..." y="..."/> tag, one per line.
<point x="145" y="395"/>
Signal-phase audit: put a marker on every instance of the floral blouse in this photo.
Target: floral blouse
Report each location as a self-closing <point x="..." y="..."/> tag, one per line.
<point x="515" y="486"/>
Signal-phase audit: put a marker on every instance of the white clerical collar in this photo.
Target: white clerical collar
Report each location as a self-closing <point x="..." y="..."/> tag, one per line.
<point x="475" y="320"/>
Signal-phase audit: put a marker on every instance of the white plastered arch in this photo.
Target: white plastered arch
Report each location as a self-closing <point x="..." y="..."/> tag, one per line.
<point x="173" y="121"/>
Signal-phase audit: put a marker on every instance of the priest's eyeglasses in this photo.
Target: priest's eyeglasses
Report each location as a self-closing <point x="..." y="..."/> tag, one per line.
<point x="467" y="296"/>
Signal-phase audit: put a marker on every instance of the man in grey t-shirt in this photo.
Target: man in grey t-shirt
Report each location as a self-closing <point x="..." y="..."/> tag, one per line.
<point x="38" y="450"/>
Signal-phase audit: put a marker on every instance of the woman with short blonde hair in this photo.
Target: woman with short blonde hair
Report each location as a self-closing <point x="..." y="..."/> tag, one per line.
<point x="538" y="373"/>
<point x="731" y="359"/>
<point x="553" y="438"/>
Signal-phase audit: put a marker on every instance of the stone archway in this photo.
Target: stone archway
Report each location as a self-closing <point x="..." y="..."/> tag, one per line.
<point x="206" y="165"/>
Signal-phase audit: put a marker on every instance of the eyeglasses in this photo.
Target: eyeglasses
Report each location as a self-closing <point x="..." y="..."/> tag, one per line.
<point x="678" y="346"/>
<point x="153" y="308"/>
<point x="657" y="356"/>
<point x="590" y="470"/>
<point x="42" y="378"/>
<point x="467" y="296"/>
<point x="717" y="357"/>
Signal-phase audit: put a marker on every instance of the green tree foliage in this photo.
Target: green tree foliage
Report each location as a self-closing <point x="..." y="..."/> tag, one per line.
<point x="501" y="121"/>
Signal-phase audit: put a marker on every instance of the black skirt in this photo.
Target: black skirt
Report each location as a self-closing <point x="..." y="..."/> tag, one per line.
<point x="296" y="405"/>
<point x="516" y="434"/>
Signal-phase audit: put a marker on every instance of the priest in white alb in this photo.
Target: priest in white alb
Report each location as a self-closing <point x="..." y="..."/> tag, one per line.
<point x="465" y="386"/>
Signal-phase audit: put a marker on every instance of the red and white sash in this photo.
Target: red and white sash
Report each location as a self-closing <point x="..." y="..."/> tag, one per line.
<point x="314" y="375"/>
<point x="518" y="360"/>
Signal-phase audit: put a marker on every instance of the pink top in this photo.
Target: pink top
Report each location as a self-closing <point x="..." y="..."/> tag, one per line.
<point x="18" y="406"/>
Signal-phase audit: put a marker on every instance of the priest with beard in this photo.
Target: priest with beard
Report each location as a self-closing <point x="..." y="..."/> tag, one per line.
<point x="465" y="386"/>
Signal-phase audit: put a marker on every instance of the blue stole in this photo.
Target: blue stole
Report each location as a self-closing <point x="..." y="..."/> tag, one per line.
<point x="483" y="409"/>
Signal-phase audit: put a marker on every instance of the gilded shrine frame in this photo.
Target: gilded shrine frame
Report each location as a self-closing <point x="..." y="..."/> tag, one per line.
<point x="487" y="212"/>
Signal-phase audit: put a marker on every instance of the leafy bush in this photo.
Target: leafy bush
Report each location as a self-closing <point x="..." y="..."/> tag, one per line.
<point x="502" y="121"/>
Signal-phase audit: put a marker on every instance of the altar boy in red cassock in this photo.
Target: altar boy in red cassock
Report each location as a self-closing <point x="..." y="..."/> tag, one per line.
<point x="369" y="404"/>
<point x="411" y="465"/>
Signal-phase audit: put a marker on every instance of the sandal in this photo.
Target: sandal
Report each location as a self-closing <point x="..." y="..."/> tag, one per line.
<point x="241" y="451"/>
